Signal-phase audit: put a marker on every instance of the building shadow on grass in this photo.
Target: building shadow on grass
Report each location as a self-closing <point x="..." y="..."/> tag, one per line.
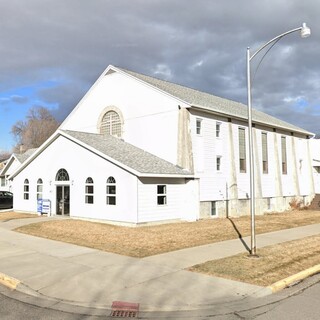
<point x="239" y="235"/>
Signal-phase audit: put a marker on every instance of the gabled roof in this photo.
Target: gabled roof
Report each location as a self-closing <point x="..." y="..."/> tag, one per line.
<point x="209" y="102"/>
<point x="20" y="157"/>
<point x="122" y="154"/>
<point x="196" y="99"/>
<point x="128" y="155"/>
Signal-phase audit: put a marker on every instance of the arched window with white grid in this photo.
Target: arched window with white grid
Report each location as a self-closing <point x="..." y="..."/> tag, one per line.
<point x="89" y="189"/>
<point x="39" y="188"/>
<point x="111" y="191"/>
<point x="26" y="189"/>
<point x="111" y="124"/>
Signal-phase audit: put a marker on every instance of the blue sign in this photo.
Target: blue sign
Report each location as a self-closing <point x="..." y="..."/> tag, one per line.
<point x="44" y="206"/>
<point x="39" y="205"/>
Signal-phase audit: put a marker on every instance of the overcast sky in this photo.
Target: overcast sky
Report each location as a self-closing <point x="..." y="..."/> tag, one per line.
<point x="51" y="52"/>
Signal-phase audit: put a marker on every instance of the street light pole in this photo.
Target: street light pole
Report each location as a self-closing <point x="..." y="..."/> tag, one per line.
<point x="304" y="32"/>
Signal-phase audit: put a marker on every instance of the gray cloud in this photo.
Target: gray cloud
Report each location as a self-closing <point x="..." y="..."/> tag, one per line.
<point x="201" y="44"/>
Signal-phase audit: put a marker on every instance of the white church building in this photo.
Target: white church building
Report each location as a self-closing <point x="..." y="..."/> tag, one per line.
<point x="137" y="149"/>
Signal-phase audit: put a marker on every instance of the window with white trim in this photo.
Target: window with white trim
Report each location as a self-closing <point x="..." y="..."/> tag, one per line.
<point x="242" y="150"/>
<point x="269" y="203"/>
<point x="89" y="189"/>
<point x="111" y="124"/>
<point x="218" y="129"/>
<point x="161" y="195"/>
<point x="264" y="144"/>
<point x="213" y="211"/>
<point x="198" y="126"/>
<point x="39" y="188"/>
<point x="218" y="163"/>
<point x="26" y="189"/>
<point x="111" y="191"/>
<point x="284" y="154"/>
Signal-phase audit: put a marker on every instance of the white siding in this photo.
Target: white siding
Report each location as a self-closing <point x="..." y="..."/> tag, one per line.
<point x="216" y="186"/>
<point x="182" y="200"/>
<point x="315" y="159"/>
<point x="150" y="117"/>
<point x="12" y="165"/>
<point x="80" y="164"/>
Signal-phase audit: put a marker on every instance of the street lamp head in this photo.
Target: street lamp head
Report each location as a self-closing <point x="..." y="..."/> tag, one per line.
<point x="305" y="31"/>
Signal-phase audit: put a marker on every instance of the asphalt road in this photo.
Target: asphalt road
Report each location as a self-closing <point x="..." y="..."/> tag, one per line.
<point x="303" y="304"/>
<point x="296" y="303"/>
<point x="11" y="309"/>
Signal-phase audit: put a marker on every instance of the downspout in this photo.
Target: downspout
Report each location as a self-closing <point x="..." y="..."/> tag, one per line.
<point x="137" y="219"/>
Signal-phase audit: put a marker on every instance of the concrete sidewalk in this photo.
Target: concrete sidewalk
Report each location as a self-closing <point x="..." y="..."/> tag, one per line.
<point x="91" y="278"/>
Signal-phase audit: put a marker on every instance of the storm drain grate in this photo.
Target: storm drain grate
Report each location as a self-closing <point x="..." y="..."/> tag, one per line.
<point x="121" y="309"/>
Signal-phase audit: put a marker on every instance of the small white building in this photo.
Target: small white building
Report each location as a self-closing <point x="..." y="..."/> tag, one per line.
<point x="10" y="166"/>
<point x="137" y="149"/>
<point x="315" y="151"/>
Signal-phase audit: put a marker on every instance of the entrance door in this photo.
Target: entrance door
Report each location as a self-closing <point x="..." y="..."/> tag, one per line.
<point x="63" y="200"/>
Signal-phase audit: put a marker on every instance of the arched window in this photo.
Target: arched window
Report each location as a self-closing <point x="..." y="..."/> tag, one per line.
<point x="26" y="189"/>
<point x="39" y="188"/>
<point x="111" y="124"/>
<point x="111" y="191"/>
<point x="62" y="175"/>
<point x="89" y="190"/>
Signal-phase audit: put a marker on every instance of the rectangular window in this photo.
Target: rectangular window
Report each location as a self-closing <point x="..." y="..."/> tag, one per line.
<point x="111" y="201"/>
<point x="198" y="126"/>
<point x="89" y="188"/>
<point x="284" y="155"/>
<point x="111" y="189"/>
<point x="39" y="191"/>
<point x="218" y="163"/>
<point x="111" y="195"/>
<point x="161" y="195"/>
<point x="242" y="150"/>
<point x="264" y="144"/>
<point x="26" y="192"/>
<point x="3" y="181"/>
<point x="89" y="199"/>
<point x="89" y="193"/>
<point x="269" y="203"/>
<point x="218" y="129"/>
<point x="213" y="212"/>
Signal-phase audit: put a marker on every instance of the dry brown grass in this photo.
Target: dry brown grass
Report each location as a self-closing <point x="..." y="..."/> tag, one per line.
<point x="5" y="216"/>
<point x="275" y="262"/>
<point x="150" y="240"/>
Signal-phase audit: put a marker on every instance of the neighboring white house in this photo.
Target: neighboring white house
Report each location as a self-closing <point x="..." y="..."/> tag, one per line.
<point x="10" y="166"/>
<point x="138" y="149"/>
<point x="315" y="152"/>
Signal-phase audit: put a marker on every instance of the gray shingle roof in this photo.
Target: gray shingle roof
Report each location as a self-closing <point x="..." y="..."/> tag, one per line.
<point x="216" y="104"/>
<point x="22" y="157"/>
<point x="127" y="154"/>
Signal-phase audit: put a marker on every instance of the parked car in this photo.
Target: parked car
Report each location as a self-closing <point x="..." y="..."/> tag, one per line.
<point x="6" y="200"/>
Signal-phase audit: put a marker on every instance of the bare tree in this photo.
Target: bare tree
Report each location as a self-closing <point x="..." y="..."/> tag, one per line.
<point x="4" y="155"/>
<point x="38" y="127"/>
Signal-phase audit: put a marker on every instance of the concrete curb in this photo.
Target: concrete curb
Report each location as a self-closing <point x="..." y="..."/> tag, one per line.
<point x="279" y="285"/>
<point x="9" y="282"/>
